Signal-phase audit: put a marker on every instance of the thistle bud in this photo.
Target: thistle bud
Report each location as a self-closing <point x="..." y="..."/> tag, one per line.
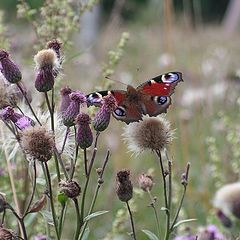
<point x="6" y="234"/>
<point x="8" y="68"/>
<point x="102" y="117"/>
<point x="70" y="188"/>
<point x="124" y="188"/>
<point x="77" y="98"/>
<point x="46" y="63"/>
<point x="84" y="134"/>
<point x="145" y="182"/>
<point x="38" y="143"/>
<point x="65" y="101"/>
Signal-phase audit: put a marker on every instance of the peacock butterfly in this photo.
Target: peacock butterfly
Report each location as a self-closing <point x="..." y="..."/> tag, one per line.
<point x="151" y="97"/>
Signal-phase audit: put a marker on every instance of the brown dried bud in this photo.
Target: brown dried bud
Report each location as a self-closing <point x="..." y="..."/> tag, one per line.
<point x="6" y="234"/>
<point x="124" y="188"/>
<point x="99" y="171"/>
<point x="145" y="182"/>
<point x="70" y="188"/>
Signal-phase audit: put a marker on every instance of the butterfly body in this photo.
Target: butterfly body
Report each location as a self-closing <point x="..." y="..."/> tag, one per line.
<point x="151" y="97"/>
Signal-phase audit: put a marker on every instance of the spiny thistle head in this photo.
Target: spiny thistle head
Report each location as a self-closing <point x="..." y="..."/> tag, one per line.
<point x="46" y="62"/>
<point x="77" y="98"/>
<point x="84" y="134"/>
<point x="152" y="133"/>
<point x="6" y="113"/>
<point x="102" y="117"/>
<point x="124" y="188"/>
<point x="70" y="188"/>
<point x="145" y="182"/>
<point x="227" y="202"/>
<point x="38" y="143"/>
<point x="6" y="234"/>
<point x="65" y="100"/>
<point x="8" y="68"/>
<point x="56" y="46"/>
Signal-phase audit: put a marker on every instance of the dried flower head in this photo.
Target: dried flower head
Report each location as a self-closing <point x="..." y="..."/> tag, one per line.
<point x="70" y="188"/>
<point x="152" y="133"/>
<point x="145" y="182"/>
<point x="6" y="234"/>
<point x="56" y="46"/>
<point x="77" y="98"/>
<point x="38" y="143"/>
<point x="65" y="100"/>
<point x="8" y="68"/>
<point x="84" y="136"/>
<point x="102" y="117"/>
<point x="124" y="188"/>
<point x="227" y="200"/>
<point x="46" y="64"/>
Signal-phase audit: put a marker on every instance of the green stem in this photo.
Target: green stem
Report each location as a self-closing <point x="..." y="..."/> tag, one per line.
<point x="51" y="200"/>
<point x="131" y="219"/>
<point x="85" y="161"/>
<point x="61" y="219"/>
<point x="78" y="219"/>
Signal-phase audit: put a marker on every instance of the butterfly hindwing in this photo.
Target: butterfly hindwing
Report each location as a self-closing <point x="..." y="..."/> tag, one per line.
<point x="162" y="85"/>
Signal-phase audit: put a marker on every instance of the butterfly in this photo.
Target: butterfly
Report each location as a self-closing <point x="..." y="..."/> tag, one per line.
<point x="150" y="98"/>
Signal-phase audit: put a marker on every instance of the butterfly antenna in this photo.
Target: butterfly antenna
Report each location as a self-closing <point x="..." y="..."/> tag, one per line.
<point x="114" y="80"/>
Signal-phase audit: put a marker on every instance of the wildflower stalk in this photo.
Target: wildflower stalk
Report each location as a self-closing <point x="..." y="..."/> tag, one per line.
<point x="51" y="200"/>
<point x="61" y="219"/>
<point x="28" y="103"/>
<point x="65" y="139"/>
<point x="73" y="162"/>
<point x="131" y="219"/>
<point x="95" y="193"/>
<point x="85" y="161"/>
<point x="184" y="183"/>
<point x="152" y="204"/>
<point x="77" y="232"/>
<point x="166" y="237"/>
<point x="33" y="190"/>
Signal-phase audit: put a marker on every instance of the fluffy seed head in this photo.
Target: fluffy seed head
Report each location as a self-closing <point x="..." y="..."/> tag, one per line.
<point x="84" y="136"/>
<point x="38" y="143"/>
<point x="152" y="133"/>
<point x="46" y="57"/>
<point x="8" y="68"/>
<point x="227" y="199"/>
<point x="70" y="188"/>
<point x="145" y="182"/>
<point x="124" y="188"/>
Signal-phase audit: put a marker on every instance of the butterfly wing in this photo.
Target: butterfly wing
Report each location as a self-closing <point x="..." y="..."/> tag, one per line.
<point x="162" y="85"/>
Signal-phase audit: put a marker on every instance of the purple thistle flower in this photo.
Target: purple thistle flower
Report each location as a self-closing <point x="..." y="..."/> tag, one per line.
<point x="84" y="134"/>
<point x="45" y="79"/>
<point x="77" y="98"/>
<point x="186" y="237"/>
<point x="65" y="101"/>
<point x="8" y="68"/>
<point x="40" y="237"/>
<point x="102" y="117"/>
<point x="21" y="121"/>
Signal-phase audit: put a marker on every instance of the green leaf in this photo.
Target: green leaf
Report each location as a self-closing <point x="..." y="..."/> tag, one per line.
<point x="184" y="221"/>
<point x="86" y="234"/>
<point x="150" y="235"/>
<point x="62" y="198"/>
<point x="95" y="214"/>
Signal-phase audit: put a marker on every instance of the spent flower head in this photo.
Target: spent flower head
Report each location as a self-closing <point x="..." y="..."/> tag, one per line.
<point x="70" y="188"/>
<point x="124" y="188"/>
<point x="8" y="68"/>
<point x="102" y="117"/>
<point x="84" y="136"/>
<point x="145" y="182"/>
<point x="6" y="234"/>
<point x="152" y="133"/>
<point x="46" y="64"/>
<point x="38" y="143"/>
<point x="56" y="45"/>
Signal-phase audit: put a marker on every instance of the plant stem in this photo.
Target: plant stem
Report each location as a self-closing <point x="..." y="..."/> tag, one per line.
<point x="131" y="219"/>
<point x="155" y="212"/>
<point x="51" y="199"/>
<point x="73" y="162"/>
<point x="166" y="237"/>
<point x="28" y="103"/>
<point x="95" y="194"/>
<point x="78" y="219"/>
<point x="61" y="219"/>
<point x="85" y="161"/>
<point x="65" y="139"/>
<point x="33" y="190"/>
